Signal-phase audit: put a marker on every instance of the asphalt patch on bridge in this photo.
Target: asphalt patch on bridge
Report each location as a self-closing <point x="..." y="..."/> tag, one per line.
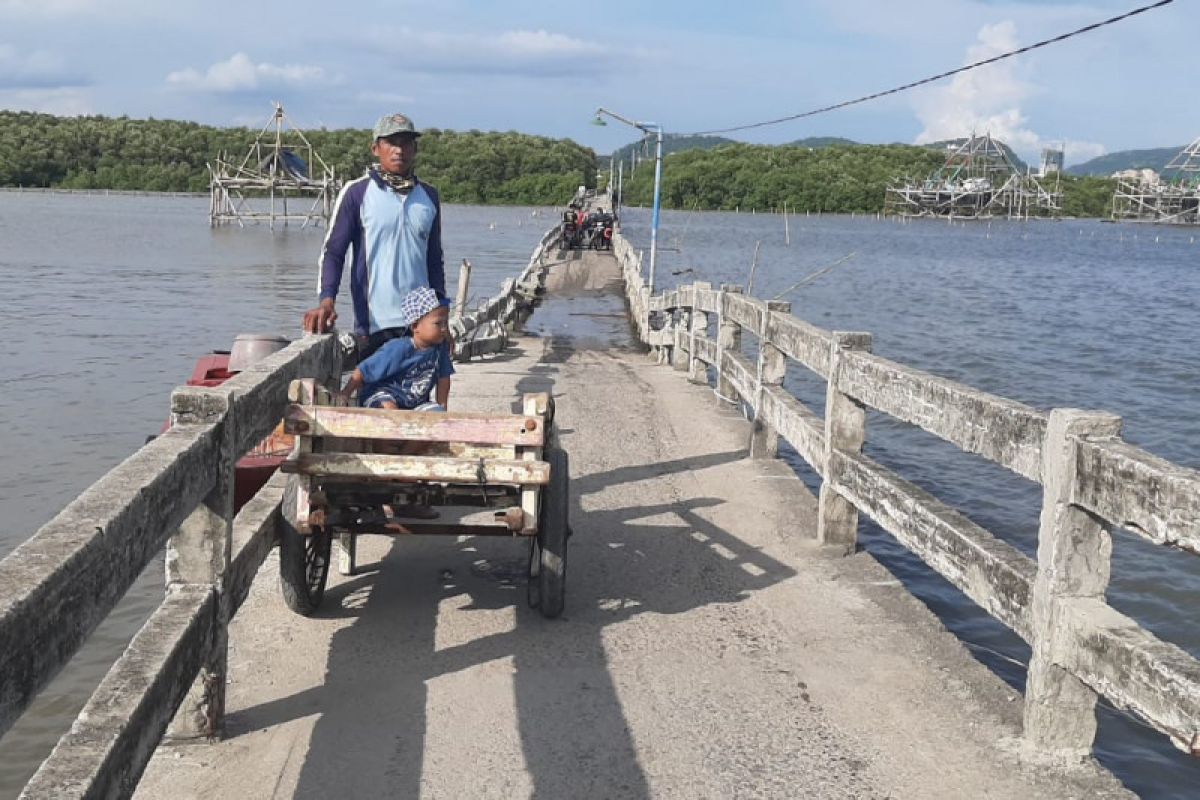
<point x="584" y="307"/>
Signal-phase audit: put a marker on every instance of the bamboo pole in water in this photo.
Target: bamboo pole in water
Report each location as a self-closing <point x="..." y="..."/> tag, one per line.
<point x="753" y="268"/>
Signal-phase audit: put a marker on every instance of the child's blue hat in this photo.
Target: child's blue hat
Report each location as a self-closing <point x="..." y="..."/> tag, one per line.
<point x="417" y="303"/>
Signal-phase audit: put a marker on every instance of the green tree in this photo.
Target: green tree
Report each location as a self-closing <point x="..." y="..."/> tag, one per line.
<point x="168" y="155"/>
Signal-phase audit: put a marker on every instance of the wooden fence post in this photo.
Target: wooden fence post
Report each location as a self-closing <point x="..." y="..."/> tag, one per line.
<point x="729" y="337"/>
<point x="199" y="553"/>
<point x="697" y="369"/>
<point x="772" y="365"/>
<point x="846" y="430"/>
<point x="1074" y="561"/>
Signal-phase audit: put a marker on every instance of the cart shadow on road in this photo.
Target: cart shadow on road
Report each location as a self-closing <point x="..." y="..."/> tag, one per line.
<point x="372" y="736"/>
<point x="443" y="646"/>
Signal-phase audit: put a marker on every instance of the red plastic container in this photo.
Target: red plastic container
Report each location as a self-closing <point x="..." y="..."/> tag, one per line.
<point x="256" y="467"/>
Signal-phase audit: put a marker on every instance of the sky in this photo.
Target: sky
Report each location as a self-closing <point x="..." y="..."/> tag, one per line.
<point x="545" y="67"/>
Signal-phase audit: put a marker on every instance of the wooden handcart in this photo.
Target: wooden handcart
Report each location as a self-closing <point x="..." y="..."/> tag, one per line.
<point x="359" y="470"/>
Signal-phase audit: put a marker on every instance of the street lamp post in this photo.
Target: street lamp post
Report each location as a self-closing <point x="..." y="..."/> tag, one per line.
<point x="620" y="195"/>
<point x="656" y="129"/>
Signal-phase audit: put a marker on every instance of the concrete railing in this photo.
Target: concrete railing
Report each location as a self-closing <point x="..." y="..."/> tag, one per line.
<point x="176" y="491"/>
<point x="486" y="329"/>
<point x="1092" y="481"/>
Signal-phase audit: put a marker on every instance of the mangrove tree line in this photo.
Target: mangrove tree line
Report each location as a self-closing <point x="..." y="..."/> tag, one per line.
<point x="168" y="155"/>
<point x="97" y="152"/>
<point x="834" y="179"/>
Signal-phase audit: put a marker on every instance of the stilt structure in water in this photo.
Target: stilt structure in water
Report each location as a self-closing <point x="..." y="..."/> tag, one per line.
<point x="275" y="168"/>
<point x="978" y="181"/>
<point x="1148" y="197"/>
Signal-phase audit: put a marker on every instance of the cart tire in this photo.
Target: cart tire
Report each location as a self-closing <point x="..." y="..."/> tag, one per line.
<point x="553" y="530"/>
<point x="303" y="560"/>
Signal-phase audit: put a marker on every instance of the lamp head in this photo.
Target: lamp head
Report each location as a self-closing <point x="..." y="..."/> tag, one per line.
<point x="598" y="120"/>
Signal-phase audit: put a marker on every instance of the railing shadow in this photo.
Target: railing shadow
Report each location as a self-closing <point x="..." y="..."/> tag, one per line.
<point x="373" y="737"/>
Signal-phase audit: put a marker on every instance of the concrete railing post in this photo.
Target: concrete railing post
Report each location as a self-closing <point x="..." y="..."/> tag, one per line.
<point x="464" y="284"/>
<point x="729" y="338"/>
<point x="845" y="430"/>
<point x="697" y="369"/>
<point x="199" y="553"/>
<point x="507" y="305"/>
<point x="682" y="330"/>
<point x="1074" y="561"/>
<point x="658" y="352"/>
<point x="772" y="365"/>
<point x="643" y="313"/>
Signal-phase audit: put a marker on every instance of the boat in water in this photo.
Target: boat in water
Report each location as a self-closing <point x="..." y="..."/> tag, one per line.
<point x="256" y="467"/>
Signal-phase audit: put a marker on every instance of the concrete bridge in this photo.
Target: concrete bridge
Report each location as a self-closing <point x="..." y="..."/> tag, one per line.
<point x="722" y="636"/>
<point x="710" y="647"/>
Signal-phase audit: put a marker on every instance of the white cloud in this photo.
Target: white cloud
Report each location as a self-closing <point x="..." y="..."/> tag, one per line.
<point x="240" y="74"/>
<point x="1075" y="152"/>
<point x="43" y="8"/>
<point x="520" y="52"/>
<point x="63" y="102"/>
<point x="136" y="11"/>
<point x="37" y="69"/>
<point x="542" y="44"/>
<point x="988" y="100"/>
<point x="388" y="99"/>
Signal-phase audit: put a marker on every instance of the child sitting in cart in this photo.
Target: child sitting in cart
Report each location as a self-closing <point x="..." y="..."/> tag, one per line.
<point x="405" y="372"/>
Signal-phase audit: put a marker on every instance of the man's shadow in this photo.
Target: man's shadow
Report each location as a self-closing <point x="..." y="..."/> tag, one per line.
<point x="372" y="736"/>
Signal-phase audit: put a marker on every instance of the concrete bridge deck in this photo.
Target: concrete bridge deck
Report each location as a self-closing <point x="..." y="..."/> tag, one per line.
<point x="709" y="649"/>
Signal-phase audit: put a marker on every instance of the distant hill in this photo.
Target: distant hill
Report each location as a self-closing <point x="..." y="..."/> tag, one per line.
<point x="1155" y="159"/>
<point x="817" y="142"/>
<point x="672" y="143"/>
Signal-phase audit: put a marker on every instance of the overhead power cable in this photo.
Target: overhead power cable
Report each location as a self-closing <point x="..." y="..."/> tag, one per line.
<point x="931" y="79"/>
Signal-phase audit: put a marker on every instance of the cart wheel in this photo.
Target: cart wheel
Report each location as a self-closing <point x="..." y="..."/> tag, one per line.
<point x="303" y="560"/>
<point x="552" y="535"/>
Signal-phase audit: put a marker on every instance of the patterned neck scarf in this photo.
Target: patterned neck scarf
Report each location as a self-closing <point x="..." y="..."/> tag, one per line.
<point x="399" y="183"/>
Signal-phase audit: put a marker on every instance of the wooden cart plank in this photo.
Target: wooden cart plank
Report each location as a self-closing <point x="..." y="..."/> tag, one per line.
<point x="531" y="403"/>
<point x="421" y="468"/>
<point x="423" y="426"/>
<point x="413" y="528"/>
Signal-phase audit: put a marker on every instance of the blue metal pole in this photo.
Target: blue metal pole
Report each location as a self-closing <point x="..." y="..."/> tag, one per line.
<point x="657" y="201"/>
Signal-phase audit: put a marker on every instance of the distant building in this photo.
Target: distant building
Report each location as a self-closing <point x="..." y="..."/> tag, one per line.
<point x="1052" y="161"/>
<point x="1144" y="176"/>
